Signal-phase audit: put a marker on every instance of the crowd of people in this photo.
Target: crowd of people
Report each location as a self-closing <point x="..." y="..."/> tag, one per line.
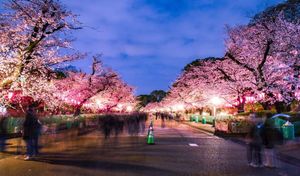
<point x="262" y="140"/>
<point x="115" y="125"/>
<point x="109" y="125"/>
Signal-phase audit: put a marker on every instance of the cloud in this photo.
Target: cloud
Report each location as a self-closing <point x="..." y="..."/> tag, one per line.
<point x="149" y="41"/>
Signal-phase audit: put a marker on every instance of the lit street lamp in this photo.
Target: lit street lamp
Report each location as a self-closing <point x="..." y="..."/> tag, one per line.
<point x="216" y="101"/>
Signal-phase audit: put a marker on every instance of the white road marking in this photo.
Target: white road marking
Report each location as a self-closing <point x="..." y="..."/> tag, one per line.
<point x="193" y="145"/>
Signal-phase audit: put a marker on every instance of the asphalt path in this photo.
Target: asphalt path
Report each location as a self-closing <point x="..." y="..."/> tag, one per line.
<point x="178" y="150"/>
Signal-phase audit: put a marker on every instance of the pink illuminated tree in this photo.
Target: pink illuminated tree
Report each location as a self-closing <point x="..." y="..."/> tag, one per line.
<point x="208" y="78"/>
<point x="102" y="86"/>
<point x="261" y="63"/>
<point x="268" y="50"/>
<point x="33" y="38"/>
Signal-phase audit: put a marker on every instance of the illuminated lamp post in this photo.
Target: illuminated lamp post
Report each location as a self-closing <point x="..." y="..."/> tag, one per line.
<point x="216" y="101"/>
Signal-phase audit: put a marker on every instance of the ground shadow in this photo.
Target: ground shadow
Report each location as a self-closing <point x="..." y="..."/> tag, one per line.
<point x="103" y="164"/>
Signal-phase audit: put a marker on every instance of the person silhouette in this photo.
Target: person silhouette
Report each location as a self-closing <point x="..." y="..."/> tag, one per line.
<point x="3" y="133"/>
<point x="31" y="131"/>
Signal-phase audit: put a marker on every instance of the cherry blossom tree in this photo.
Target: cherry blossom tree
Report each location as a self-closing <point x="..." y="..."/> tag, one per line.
<point x="261" y="62"/>
<point x="117" y="97"/>
<point x="194" y="87"/>
<point x="269" y="51"/>
<point x="209" y="78"/>
<point x="33" y="38"/>
<point x="102" y="87"/>
<point x="233" y="83"/>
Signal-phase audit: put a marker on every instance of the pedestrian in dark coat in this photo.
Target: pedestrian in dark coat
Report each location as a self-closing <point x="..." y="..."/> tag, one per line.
<point x="31" y="130"/>
<point x="3" y="133"/>
<point x="254" y="141"/>
<point x="271" y="137"/>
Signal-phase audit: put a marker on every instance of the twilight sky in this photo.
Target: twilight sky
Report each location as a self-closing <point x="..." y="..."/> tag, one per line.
<point x="148" y="42"/>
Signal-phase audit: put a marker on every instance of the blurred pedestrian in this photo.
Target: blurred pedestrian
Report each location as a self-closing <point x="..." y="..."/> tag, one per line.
<point x="106" y="125"/>
<point x="31" y="132"/>
<point x="271" y="137"/>
<point x="163" y="123"/>
<point x="254" y="141"/>
<point x="3" y="133"/>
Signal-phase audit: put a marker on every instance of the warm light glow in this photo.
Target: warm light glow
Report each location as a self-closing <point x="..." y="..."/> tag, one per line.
<point x="261" y="96"/>
<point x="119" y="106"/>
<point x="297" y="94"/>
<point x="3" y="110"/>
<point x="216" y="101"/>
<point x="10" y="95"/>
<point x="129" y="108"/>
<point x="250" y="99"/>
<point x="223" y="114"/>
<point x="229" y="105"/>
<point x="98" y="102"/>
<point x="205" y="114"/>
<point x="178" y="107"/>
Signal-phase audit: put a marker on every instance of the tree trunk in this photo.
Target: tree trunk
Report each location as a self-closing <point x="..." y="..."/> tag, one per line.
<point x="77" y="111"/>
<point x="241" y="107"/>
<point x="288" y="108"/>
<point x="200" y="110"/>
<point x="282" y="107"/>
<point x="266" y="105"/>
<point x="241" y="100"/>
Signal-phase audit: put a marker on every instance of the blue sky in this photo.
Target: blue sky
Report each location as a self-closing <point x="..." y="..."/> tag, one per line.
<point x="148" y="42"/>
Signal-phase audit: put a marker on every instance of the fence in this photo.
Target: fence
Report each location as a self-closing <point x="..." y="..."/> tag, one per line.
<point x="53" y="124"/>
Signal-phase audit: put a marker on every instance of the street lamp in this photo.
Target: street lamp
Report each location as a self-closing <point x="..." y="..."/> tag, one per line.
<point x="216" y="101"/>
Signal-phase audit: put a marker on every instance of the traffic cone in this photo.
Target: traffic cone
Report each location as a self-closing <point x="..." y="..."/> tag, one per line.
<point x="150" y="137"/>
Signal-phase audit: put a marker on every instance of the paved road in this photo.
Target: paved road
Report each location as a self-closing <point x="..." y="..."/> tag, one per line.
<point x="179" y="150"/>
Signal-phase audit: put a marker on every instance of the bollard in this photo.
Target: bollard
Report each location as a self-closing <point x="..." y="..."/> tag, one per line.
<point x="288" y="131"/>
<point x="203" y="120"/>
<point x="196" y="119"/>
<point x="150" y="136"/>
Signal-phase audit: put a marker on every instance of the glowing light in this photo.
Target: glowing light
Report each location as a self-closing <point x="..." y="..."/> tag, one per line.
<point x="205" y="114"/>
<point x="216" y="101"/>
<point x="129" y="108"/>
<point x="297" y="94"/>
<point x="98" y="102"/>
<point x="279" y="96"/>
<point x="10" y="95"/>
<point x="178" y="107"/>
<point x="229" y="105"/>
<point x="261" y="95"/>
<point x="3" y="110"/>
<point x="223" y="114"/>
<point x="250" y="99"/>
<point x="119" y="106"/>
<point x="236" y="103"/>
